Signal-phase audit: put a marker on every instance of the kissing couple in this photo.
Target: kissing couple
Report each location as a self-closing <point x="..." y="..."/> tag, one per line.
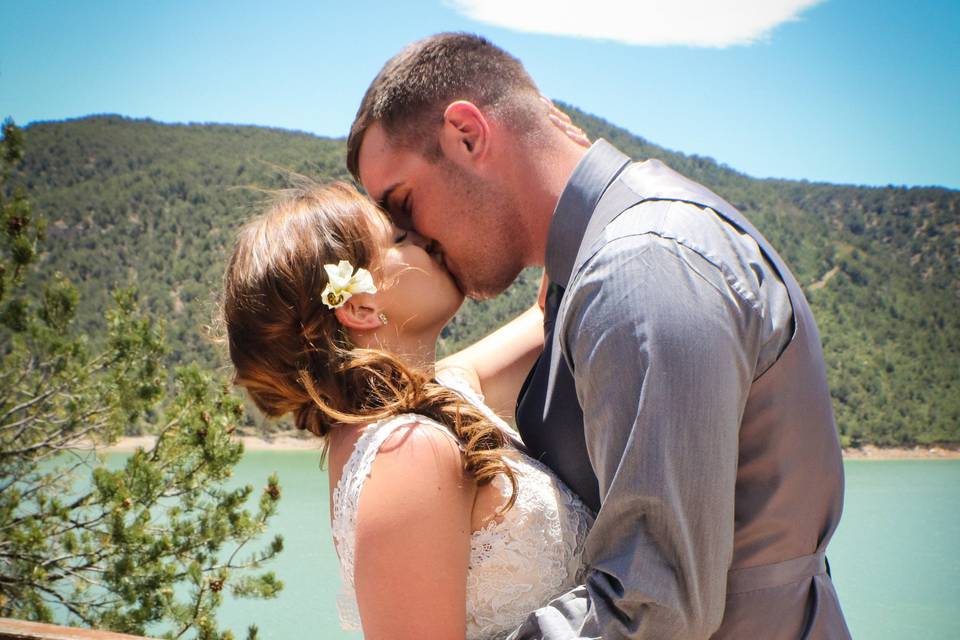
<point x="677" y="472"/>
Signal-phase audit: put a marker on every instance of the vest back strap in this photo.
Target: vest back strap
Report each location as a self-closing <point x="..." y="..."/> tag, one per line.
<point x="774" y="575"/>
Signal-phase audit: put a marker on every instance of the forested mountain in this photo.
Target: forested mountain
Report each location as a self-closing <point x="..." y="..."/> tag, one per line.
<point x="138" y="201"/>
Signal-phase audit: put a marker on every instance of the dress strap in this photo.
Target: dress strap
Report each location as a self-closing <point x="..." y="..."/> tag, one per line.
<point x="450" y="379"/>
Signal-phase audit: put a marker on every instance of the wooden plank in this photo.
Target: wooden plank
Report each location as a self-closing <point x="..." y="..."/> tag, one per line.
<point x="11" y="629"/>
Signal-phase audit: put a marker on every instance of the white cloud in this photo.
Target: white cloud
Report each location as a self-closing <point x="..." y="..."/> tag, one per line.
<point x="696" y="23"/>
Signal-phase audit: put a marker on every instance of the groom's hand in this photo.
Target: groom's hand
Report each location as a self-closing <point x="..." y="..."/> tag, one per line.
<point x="563" y="122"/>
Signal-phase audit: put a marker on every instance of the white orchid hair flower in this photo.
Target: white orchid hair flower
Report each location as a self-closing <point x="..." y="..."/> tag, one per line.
<point x="344" y="282"/>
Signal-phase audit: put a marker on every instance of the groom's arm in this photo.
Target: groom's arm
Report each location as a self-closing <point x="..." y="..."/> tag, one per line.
<point x="662" y="353"/>
<point x="660" y="348"/>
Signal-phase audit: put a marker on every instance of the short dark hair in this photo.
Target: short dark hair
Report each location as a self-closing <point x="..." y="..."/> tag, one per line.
<point x="413" y="88"/>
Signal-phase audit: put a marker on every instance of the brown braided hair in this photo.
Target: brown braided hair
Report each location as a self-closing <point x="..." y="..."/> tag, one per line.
<point x="291" y="354"/>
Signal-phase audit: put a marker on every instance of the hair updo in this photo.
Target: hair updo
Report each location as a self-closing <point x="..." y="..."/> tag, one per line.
<point x="291" y="354"/>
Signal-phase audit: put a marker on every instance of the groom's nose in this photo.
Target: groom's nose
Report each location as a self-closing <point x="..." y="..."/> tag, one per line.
<point x="430" y="246"/>
<point x="419" y="240"/>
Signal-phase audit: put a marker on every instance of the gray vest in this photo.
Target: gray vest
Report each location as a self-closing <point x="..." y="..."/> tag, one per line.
<point x="789" y="489"/>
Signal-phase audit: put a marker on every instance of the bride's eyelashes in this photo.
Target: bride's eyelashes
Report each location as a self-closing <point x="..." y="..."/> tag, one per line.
<point x="399" y="236"/>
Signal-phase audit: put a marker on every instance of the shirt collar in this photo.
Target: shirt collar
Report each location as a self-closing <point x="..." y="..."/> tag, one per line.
<point x="591" y="177"/>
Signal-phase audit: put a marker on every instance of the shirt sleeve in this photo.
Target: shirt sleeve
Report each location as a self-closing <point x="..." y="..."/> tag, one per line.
<point x="662" y="350"/>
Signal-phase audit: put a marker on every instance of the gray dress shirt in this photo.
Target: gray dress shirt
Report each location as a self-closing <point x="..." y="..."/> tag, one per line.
<point x="671" y="315"/>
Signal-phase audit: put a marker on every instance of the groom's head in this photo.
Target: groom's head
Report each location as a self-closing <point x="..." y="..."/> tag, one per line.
<point x="444" y="139"/>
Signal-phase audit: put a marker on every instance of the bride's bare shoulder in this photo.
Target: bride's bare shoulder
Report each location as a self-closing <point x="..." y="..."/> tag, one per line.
<point x="412" y="442"/>
<point x="413" y="535"/>
<point x="417" y="472"/>
<point x="419" y="456"/>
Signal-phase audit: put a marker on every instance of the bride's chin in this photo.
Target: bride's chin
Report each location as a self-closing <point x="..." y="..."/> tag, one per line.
<point x="452" y="312"/>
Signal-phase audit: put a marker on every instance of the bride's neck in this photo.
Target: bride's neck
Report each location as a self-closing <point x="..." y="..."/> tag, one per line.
<point x="419" y="351"/>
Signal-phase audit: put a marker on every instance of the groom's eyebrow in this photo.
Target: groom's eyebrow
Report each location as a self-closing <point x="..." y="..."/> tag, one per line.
<point x="398" y="215"/>
<point x="384" y="201"/>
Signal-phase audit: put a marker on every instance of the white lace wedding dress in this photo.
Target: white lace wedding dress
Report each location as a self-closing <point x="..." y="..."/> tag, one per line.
<point x="516" y="565"/>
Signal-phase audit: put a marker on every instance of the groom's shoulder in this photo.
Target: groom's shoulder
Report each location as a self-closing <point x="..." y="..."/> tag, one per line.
<point x="695" y="235"/>
<point x="692" y="228"/>
<point x="693" y="231"/>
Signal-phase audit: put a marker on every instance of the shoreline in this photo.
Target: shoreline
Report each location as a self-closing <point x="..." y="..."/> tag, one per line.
<point x="292" y="441"/>
<point x="871" y="452"/>
<point x="283" y="441"/>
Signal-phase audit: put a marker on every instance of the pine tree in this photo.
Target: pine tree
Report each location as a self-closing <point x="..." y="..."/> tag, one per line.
<point x="150" y="546"/>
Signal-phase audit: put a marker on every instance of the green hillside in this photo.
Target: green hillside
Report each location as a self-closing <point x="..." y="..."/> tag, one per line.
<point x="138" y="201"/>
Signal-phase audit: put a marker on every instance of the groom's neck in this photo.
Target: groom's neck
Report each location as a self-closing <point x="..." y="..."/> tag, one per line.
<point x="548" y="169"/>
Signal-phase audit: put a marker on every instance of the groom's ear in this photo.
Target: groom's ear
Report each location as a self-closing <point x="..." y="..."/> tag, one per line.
<point x="465" y="135"/>
<point x="359" y="313"/>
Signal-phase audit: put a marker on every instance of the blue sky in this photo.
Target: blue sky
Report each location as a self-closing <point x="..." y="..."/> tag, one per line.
<point x="845" y="91"/>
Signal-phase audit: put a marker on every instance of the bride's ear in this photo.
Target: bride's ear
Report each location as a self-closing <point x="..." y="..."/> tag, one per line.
<point x="359" y="313"/>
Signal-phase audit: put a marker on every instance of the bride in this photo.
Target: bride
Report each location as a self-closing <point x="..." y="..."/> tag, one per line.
<point x="443" y="527"/>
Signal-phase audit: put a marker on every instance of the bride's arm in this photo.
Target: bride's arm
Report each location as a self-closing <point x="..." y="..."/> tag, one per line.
<point x="497" y="365"/>
<point x="413" y="539"/>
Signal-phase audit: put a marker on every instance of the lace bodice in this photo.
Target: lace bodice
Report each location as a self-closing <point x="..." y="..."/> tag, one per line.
<point x="517" y="564"/>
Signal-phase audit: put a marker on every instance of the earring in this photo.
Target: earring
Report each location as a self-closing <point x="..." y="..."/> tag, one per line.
<point x="383" y="318"/>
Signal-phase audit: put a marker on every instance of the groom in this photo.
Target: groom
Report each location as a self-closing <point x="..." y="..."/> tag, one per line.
<point x="681" y="391"/>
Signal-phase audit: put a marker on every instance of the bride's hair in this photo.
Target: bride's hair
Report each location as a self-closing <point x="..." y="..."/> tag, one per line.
<point x="292" y="355"/>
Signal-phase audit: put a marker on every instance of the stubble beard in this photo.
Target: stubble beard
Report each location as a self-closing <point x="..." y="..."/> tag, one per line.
<point x="496" y="258"/>
<point x="484" y="283"/>
<point x="493" y="258"/>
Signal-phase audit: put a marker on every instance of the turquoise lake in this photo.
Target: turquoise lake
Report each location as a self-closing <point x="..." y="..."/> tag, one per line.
<point x="895" y="557"/>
